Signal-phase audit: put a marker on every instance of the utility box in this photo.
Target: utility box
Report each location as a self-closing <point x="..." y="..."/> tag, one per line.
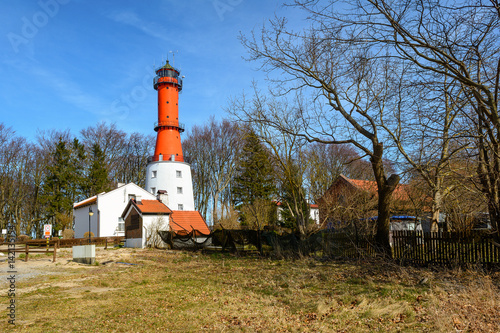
<point x="84" y="254"/>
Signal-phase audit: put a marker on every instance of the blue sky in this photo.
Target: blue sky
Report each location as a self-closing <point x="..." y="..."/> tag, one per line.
<point x="69" y="64"/>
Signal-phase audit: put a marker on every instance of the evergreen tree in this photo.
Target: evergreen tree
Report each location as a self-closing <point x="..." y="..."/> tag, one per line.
<point x="63" y="183"/>
<point x="254" y="184"/>
<point x="97" y="180"/>
<point x="254" y="178"/>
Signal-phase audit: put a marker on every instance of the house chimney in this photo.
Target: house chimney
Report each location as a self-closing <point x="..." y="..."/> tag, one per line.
<point x="162" y="196"/>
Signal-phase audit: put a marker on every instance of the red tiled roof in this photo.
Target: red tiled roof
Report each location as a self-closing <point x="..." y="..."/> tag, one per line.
<point x="86" y="202"/>
<point x="400" y="193"/>
<point x="152" y="207"/>
<point x="186" y="220"/>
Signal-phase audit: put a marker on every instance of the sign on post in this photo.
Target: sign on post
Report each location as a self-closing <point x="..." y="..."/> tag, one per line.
<point x="47" y="230"/>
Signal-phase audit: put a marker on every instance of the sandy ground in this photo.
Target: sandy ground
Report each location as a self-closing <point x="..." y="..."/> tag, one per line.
<point x="42" y="264"/>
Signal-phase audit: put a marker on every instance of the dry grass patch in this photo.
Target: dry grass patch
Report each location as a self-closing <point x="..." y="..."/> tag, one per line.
<point x="191" y="292"/>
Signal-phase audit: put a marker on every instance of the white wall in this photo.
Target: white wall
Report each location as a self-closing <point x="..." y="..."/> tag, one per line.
<point x="314" y="214"/>
<point x="81" y="217"/>
<point x="147" y="220"/>
<point x="110" y="206"/>
<point x="166" y="179"/>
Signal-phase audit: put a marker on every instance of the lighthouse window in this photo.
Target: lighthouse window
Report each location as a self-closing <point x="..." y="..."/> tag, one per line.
<point x="180" y="207"/>
<point x="153" y="174"/>
<point x="178" y="174"/>
<point x="179" y="190"/>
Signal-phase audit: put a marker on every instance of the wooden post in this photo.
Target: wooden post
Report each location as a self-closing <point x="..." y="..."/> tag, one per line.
<point x="27" y="252"/>
<point x="55" y="250"/>
<point x="106" y="246"/>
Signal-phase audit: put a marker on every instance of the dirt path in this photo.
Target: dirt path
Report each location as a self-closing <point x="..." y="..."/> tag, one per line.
<point x="42" y="264"/>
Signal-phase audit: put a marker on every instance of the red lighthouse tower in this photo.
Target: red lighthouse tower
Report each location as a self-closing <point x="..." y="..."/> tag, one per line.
<point x="166" y="170"/>
<point x="168" y="141"/>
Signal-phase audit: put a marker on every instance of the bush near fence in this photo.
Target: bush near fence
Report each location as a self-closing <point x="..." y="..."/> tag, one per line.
<point x="408" y="247"/>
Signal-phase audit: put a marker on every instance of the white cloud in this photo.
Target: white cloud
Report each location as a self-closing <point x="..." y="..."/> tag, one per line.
<point x="132" y="19"/>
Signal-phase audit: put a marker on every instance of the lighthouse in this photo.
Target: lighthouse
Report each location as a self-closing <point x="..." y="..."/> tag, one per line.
<point x="166" y="169"/>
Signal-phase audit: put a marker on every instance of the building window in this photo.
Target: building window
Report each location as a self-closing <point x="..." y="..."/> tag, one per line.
<point x="153" y="174"/>
<point x="180" y="207"/>
<point x="153" y="190"/>
<point x="179" y="190"/>
<point x="121" y="224"/>
<point x="178" y="174"/>
<point x="131" y="196"/>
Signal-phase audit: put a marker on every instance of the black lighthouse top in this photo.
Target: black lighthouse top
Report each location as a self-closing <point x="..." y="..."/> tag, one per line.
<point x="164" y="73"/>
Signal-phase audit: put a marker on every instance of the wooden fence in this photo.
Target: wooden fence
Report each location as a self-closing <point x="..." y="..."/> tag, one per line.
<point x="35" y="246"/>
<point x="446" y="248"/>
<point x="69" y="242"/>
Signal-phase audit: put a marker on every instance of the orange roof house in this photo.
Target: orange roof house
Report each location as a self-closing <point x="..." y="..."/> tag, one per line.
<point x="143" y="219"/>
<point x="354" y="198"/>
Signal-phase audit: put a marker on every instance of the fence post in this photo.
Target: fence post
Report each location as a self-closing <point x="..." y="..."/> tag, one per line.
<point x="106" y="246"/>
<point x="27" y="252"/>
<point x="55" y="250"/>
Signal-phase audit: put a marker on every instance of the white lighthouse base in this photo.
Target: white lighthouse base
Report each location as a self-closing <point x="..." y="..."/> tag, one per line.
<point x="175" y="178"/>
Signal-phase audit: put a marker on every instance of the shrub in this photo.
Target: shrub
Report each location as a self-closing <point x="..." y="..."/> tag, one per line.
<point x="68" y="233"/>
<point x="23" y="238"/>
<point x="86" y="235"/>
<point x="1" y="240"/>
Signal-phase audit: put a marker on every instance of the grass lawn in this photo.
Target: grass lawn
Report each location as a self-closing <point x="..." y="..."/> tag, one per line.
<point x="170" y="291"/>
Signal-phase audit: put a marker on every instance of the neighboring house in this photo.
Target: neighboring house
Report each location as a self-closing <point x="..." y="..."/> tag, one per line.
<point x="356" y="199"/>
<point x="313" y="212"/>
<point x="107" y="208"/>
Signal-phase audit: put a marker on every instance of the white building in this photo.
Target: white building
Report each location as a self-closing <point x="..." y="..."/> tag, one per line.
<point x="107" y="208"/>
<point x="175" y="178"/>
<point x="313" y="212"/>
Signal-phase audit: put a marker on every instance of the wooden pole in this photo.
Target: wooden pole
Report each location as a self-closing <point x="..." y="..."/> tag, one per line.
<point x="27" y="252"/>
<point x="55" y="250"/>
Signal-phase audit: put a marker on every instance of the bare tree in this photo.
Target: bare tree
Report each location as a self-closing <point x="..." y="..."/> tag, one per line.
<point x="432" y="135"/>
<point x="455" y="39"/>
<point x="348" y="87"/>
<point x="111" y="140"/>
<point x="213" y="150"/>
<point x="328" y="162"/>
<point x="287" y="152"/>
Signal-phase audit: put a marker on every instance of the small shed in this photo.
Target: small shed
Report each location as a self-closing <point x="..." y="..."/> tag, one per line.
<point x="143" y="219"/>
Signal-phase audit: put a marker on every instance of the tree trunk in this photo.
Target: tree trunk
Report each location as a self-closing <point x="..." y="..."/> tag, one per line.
<point x="436" y="209"/>
<point x="385" y="188"/>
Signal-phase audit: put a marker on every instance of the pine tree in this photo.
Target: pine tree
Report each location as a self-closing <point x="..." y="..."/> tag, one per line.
<point x="97" y="180"/>
<point x="255" y="178"/>
<point x="254" y="187"/>
<point x="63" y="183"/>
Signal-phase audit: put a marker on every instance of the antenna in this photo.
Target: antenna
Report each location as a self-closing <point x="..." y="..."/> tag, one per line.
<point x="173" y="56"/>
